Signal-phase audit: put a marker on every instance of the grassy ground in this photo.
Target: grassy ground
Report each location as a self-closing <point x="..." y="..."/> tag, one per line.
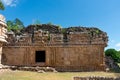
<point x="26" y="75"/>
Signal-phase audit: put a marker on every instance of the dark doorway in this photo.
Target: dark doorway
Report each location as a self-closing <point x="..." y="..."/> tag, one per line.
<point x="40" y="56"/>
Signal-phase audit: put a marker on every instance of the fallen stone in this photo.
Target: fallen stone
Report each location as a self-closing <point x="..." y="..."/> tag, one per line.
<point x="41" y="71"/>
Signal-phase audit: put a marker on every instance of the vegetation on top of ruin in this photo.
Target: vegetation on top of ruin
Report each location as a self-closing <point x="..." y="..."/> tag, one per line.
<point x="18" y="28"/>
<point x="46" y="27"/>
<point x="82" y="29"/>
<point x="92" y="31"/>
<point x="57" y="29"/>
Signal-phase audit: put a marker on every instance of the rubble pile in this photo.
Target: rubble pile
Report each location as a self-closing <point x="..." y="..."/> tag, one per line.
<point x="111" y="64"/>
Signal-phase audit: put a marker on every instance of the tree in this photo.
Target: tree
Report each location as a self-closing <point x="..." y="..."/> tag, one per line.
<point x="118" y="55"/>
<point x="114" y="54"/>
<point x="36" y="22"/>
<point x="50" y="23"/>
<point x="1" y="5"/>
<point x="18" y="23"/>
<point x="15" y="26"/>
<point x="9" y="25"/>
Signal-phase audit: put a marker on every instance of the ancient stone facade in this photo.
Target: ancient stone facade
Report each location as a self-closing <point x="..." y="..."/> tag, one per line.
<point x="81" y="50"/>
<point x="3" y="30"/>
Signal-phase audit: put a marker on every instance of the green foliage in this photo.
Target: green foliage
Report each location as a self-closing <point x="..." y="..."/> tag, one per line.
<point x="9" y="24"/>
<point x="48" y="36"/>
<point x="97" y="31"/>
<point x="114" y="54"/>
<point x="64" y="30"/>
<point x="59" y="26"/>
<point x="50" y="23"/>
<point x="118" y="55"/>
<point x="1" y="5"/>
<point x="36" y="22"/>
<point x="15" y="26"/>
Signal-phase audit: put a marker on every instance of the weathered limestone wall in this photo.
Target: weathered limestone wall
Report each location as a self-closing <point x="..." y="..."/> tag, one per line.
<point x="82" y="38"/>
<point x="63" y="58"/>
<point x="20" y="55"/>
<point x="89" y="57"/>
<point x="13" y="56"/>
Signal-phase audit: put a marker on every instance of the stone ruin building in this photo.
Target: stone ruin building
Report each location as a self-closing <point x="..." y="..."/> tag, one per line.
<point x="65" y="49"/>
<point x="3" y="36"/>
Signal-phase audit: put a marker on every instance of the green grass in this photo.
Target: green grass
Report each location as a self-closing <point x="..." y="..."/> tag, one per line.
<point x="26" y="75"/>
